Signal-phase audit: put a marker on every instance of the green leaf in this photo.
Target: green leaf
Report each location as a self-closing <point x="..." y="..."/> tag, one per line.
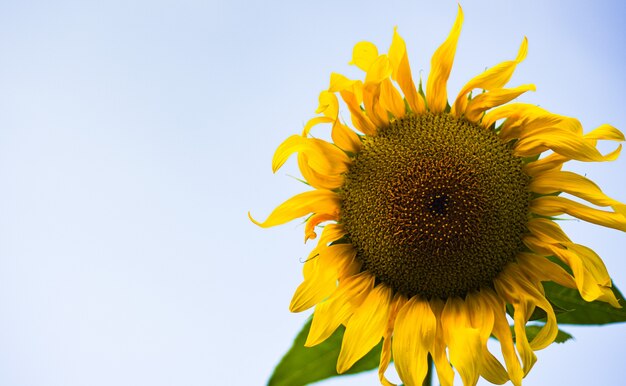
<point x="581" y="311"/>
<point x="533" y="330"/>
<point x="304" y="365"/>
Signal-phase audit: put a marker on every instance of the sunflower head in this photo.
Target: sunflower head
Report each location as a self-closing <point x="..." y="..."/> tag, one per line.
<point x="437" y="216"/>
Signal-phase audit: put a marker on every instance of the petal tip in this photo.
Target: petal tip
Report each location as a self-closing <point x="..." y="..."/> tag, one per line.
<point x="253" y="220"/>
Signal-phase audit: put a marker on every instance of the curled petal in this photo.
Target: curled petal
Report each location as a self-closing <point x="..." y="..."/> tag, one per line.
<point x="363" y="55"/>
<point x="562" y="142"/>
<point x="590" y="276"/>
<point x="328" y="105"/>
<point x="555" y="161"/>
<point x="316" y="179"/>
<point x="315" y="201"/>
<point x="513" y="112"/>
<point x="539" y="268"/>
<point x="556" y="206"/>
<point x="324" y="157"/>
<point x="315" y="220"/>
<point x="574" y="184"/>
<point x="493" y="78"/>
<point x="482" y="319"/>
<point x="482" y="102"/>
<point x="371" y="101"/>
<point x="351" y="92"/>
<point x="606" y="132"/>
<point x="502" y="332"/>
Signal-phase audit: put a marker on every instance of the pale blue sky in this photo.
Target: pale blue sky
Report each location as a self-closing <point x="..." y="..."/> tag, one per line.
<point x="135" y="136"/>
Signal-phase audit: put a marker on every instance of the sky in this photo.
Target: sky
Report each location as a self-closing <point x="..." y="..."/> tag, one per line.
<point x="136" y="135"/>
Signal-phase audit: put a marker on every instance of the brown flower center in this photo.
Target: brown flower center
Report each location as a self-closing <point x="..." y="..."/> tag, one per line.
<point x="435" y="205"/>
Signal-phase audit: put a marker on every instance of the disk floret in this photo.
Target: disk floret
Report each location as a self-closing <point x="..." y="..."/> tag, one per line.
<point x="435" y="205"/>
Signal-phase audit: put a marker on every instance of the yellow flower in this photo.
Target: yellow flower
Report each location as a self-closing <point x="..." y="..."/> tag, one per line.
<point x="437" y="216"/>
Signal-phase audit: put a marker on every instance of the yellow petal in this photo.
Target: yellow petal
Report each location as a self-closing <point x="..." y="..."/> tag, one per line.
<point x="336" y="310"/>
<point x="365" y="328"/>
<point x="414" y="335"/>
<point x="563" y="142"/>
<point x="345" y="138"/>
<point x="493" y="78"/>
<point x="385" y="357"/>
<point x="464" y="344"/>
<point x="324" y="157"/>
<point x="363" y="55"/>
<point x="314" y="122"/>
<point x="593" y="263"/>
<point x="315" y="201"/>
<point x="439" y="355"/>
<point x="547" y="230"/>
<point x="514" y="113"/>
<point x="502" y="332"/>
<point x="539" y="268"/>
<point x="552" y="162"/>
<point x="334" y="262"/>
<point x="506" y="288"/>
<point x="311" y="292"/>
<point x="351" y="92"/>
<point x="330" y="233"/>
<point x="328" y="104"/>
<point x="379" y="69"/>
<point x="482" y="319"/>
<point x="315" y="220"/>
<point x="440" y="67"/>
<point x="556" y="206"/>
<point x="371" y="101"/>
<point x="391" y="100"/>
<point x="592" y="281"/>
<point x="401" y="73"/>
<point x="482" y="102"/>
<point x="359" y="119"/>
<point x="339" y="83"/>
<point x="318" y="180"/>
<point x="590" y="276"/>
<point x="524" y="296"/>
<point x="606" y="132"/>
<point x="574" y="184"/>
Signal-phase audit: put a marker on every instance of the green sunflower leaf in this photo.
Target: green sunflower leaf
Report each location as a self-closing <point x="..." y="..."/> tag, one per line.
<point x="304" y="365"/>
<point x="581" y="311"/>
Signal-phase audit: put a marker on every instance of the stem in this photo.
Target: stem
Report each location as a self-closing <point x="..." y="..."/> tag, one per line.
<point x="428" y="381"/>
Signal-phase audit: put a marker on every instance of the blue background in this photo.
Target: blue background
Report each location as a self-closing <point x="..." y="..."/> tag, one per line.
<point x="135" y="136"/>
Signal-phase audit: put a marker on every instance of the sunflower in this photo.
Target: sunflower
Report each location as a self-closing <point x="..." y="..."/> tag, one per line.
<point x="435" y="217"/>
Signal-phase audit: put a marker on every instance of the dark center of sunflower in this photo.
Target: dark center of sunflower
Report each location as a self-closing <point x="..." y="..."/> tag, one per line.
<point x="435" y="205"/>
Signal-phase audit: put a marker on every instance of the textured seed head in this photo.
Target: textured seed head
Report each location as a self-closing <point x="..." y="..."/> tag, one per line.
<point x="435" y="205"/>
